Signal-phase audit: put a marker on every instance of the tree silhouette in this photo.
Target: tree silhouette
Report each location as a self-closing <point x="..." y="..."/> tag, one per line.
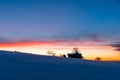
<point x="98" y="59"/>
<point x="51" y="53"/>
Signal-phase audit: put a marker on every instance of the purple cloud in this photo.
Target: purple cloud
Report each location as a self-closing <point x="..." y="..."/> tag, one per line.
<point x="116" y="46"/>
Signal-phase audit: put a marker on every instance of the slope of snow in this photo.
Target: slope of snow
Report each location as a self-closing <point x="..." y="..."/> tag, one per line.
<point x="23" y="66"/>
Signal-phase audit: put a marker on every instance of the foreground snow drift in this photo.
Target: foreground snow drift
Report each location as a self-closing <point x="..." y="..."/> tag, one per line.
<point x="23" y="66"/>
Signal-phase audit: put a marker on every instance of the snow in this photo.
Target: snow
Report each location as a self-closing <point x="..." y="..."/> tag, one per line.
<point x="24" y="66"/>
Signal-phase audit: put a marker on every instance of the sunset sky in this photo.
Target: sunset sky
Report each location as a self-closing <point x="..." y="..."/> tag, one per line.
<point x="38" y="26"/>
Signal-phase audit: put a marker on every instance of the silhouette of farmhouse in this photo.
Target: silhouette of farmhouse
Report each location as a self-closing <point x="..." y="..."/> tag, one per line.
<point x="75" y="54"/>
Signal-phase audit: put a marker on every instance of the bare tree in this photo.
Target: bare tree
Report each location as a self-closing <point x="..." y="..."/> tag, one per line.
<point x="51" y="53"/>
<point x="98" y="59"/>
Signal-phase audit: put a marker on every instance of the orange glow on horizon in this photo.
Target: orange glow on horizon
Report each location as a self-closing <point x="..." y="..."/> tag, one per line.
<point x="41" y="47"/>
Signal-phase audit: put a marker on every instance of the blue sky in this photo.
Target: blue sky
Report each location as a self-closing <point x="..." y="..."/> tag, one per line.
<point x="59" y="19"/>
<point x="36" y="26"/>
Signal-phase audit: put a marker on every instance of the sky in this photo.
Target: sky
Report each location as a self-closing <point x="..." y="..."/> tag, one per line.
<point x="38" y="26"/>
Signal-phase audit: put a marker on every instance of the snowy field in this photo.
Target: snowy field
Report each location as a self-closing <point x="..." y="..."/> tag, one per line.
<point x="23" y="66"/>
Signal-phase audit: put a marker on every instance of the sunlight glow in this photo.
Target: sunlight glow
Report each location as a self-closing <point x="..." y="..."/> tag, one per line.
<point x="41" y="48"/>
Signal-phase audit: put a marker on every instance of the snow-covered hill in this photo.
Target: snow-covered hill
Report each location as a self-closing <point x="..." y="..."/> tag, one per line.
<point x="24" y="66"/>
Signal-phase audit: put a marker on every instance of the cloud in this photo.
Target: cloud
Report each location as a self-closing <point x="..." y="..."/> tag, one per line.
<point x="3" y="39"/>
<point x="116" y="45"/>
<point x="71" y="37"/>
<point x="118" y="49"/>
<point x="64" y="39"/>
